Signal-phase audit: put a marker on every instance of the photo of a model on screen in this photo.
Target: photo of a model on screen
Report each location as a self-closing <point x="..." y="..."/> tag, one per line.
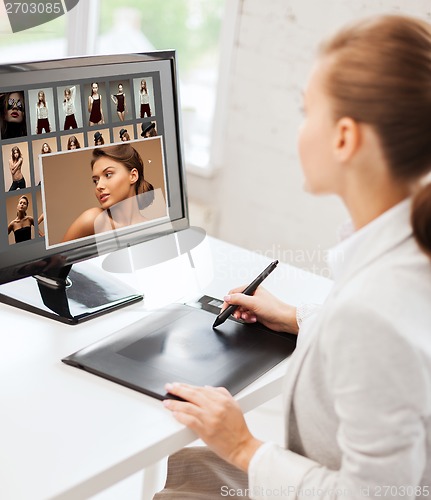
<point x="21" y="225"/>
<point x="124" y="135"/>
<point x="12" y="109"/>
<point x="69" y="108"/>
<point x="121" y="190"/>
<point x="46" y="148"/>
<point x="73" y="143"/>
<point x="148" y="129"/>
<point x="144" y="99"/>
<point x="119" y="100"/>
<point x="42" y="114"/>
<point x="15" y="166"/>
<point x="95" y="106"/>
<point x="98" y="139"/>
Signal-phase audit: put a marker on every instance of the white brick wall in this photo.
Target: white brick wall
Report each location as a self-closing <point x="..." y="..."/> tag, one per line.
<point x="258" y="191"/>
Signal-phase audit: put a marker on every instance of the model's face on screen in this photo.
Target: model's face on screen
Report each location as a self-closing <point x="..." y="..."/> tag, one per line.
<point x="22" y="205"/>
<point x="113" y="182"/>
<point x="15" y="108"/>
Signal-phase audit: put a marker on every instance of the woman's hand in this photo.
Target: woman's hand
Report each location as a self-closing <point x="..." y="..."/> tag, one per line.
<point x="263" y="307"/>
<point x="213" y="414"/>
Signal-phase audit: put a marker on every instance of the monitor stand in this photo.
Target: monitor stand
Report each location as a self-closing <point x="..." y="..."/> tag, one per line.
<point x="70" y="296"/>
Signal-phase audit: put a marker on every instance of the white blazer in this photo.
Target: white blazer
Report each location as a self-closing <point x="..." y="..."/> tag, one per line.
<point x="358" y="388"/>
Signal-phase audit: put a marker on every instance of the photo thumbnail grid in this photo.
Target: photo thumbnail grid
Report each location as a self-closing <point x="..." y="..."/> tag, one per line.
<point x="60" y="117"/>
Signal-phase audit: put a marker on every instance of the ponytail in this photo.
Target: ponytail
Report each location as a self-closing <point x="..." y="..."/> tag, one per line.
<point x="421" y="218"/>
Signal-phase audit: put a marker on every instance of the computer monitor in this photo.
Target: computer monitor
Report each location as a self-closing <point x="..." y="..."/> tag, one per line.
<point x="92" y="163"/>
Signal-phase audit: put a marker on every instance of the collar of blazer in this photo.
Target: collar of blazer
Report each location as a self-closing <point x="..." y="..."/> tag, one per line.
<point x="378" y="239"/>
<point x="382" y="237"/>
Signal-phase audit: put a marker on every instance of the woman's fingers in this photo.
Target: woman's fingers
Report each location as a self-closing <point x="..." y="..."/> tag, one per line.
<point x="201" y="408"/>
<point x="217" y="419"/>
<point x="246" y="306"/>
<point x="238" y="289"/>
<point x="195" y="394"/>
<point x="246" y="302"/>
<point x="190" y="393"/>
<point x="249" y="317"/>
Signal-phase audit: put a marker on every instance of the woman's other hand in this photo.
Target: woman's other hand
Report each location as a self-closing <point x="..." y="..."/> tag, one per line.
<point x="214" y="415"/>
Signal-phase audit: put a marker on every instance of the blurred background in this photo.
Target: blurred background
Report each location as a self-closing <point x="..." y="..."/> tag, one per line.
<point x="242" y="65"/>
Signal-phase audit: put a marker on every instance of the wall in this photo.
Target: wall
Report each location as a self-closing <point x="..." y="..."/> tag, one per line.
<point x="257" y="193"/>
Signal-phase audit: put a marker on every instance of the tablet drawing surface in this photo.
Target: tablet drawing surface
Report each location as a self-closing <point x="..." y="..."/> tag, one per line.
<point x="178" y="344"/>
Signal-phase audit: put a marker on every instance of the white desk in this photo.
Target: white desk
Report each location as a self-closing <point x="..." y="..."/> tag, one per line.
<point x="66" y="434"/>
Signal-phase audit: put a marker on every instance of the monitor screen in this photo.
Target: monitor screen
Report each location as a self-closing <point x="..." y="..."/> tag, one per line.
<point x="91" y="158"/>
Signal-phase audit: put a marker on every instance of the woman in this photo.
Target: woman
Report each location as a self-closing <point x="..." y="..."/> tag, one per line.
<point x="69" y="108"/>
<point x="95" y="106"/>
<point x="21" y="225"/>
<point x="119" y="100"/>
<point x="148" y="130"/>
<point x="46" y="148"/>
<point x="124" y="135"/>
<point x="357" y="392"/>
<point x="144" y="99"/>
<point x="15" y="166"/>
<point x="73" y="143"/>
<point x="42" y="114"/>
<point x="12" y="115"/>
<point x="98" y="139"/>
<point x="121" y="190"/>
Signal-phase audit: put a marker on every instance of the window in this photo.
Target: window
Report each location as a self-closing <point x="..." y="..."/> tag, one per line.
<point x="192" y="27"/>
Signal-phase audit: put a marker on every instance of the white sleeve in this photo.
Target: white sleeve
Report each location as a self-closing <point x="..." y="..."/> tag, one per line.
<point x="305" y="316"/>
<point x="378" y="381"/>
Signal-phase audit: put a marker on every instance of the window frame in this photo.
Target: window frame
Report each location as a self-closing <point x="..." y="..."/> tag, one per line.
<point x="84" y="18"/>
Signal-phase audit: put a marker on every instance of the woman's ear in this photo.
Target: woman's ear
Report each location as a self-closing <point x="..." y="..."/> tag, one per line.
<point x="347" y="139"/>
<point x="134" y="175"/>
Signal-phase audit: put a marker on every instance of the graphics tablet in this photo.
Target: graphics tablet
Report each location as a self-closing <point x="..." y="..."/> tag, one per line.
<point x="178" y="344"/>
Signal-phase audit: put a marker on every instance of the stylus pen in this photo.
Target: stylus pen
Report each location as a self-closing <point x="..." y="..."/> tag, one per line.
<point x="224" y="315"/>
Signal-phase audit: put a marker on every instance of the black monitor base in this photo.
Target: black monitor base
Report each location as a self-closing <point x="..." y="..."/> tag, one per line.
<point x="82" y="293"/>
